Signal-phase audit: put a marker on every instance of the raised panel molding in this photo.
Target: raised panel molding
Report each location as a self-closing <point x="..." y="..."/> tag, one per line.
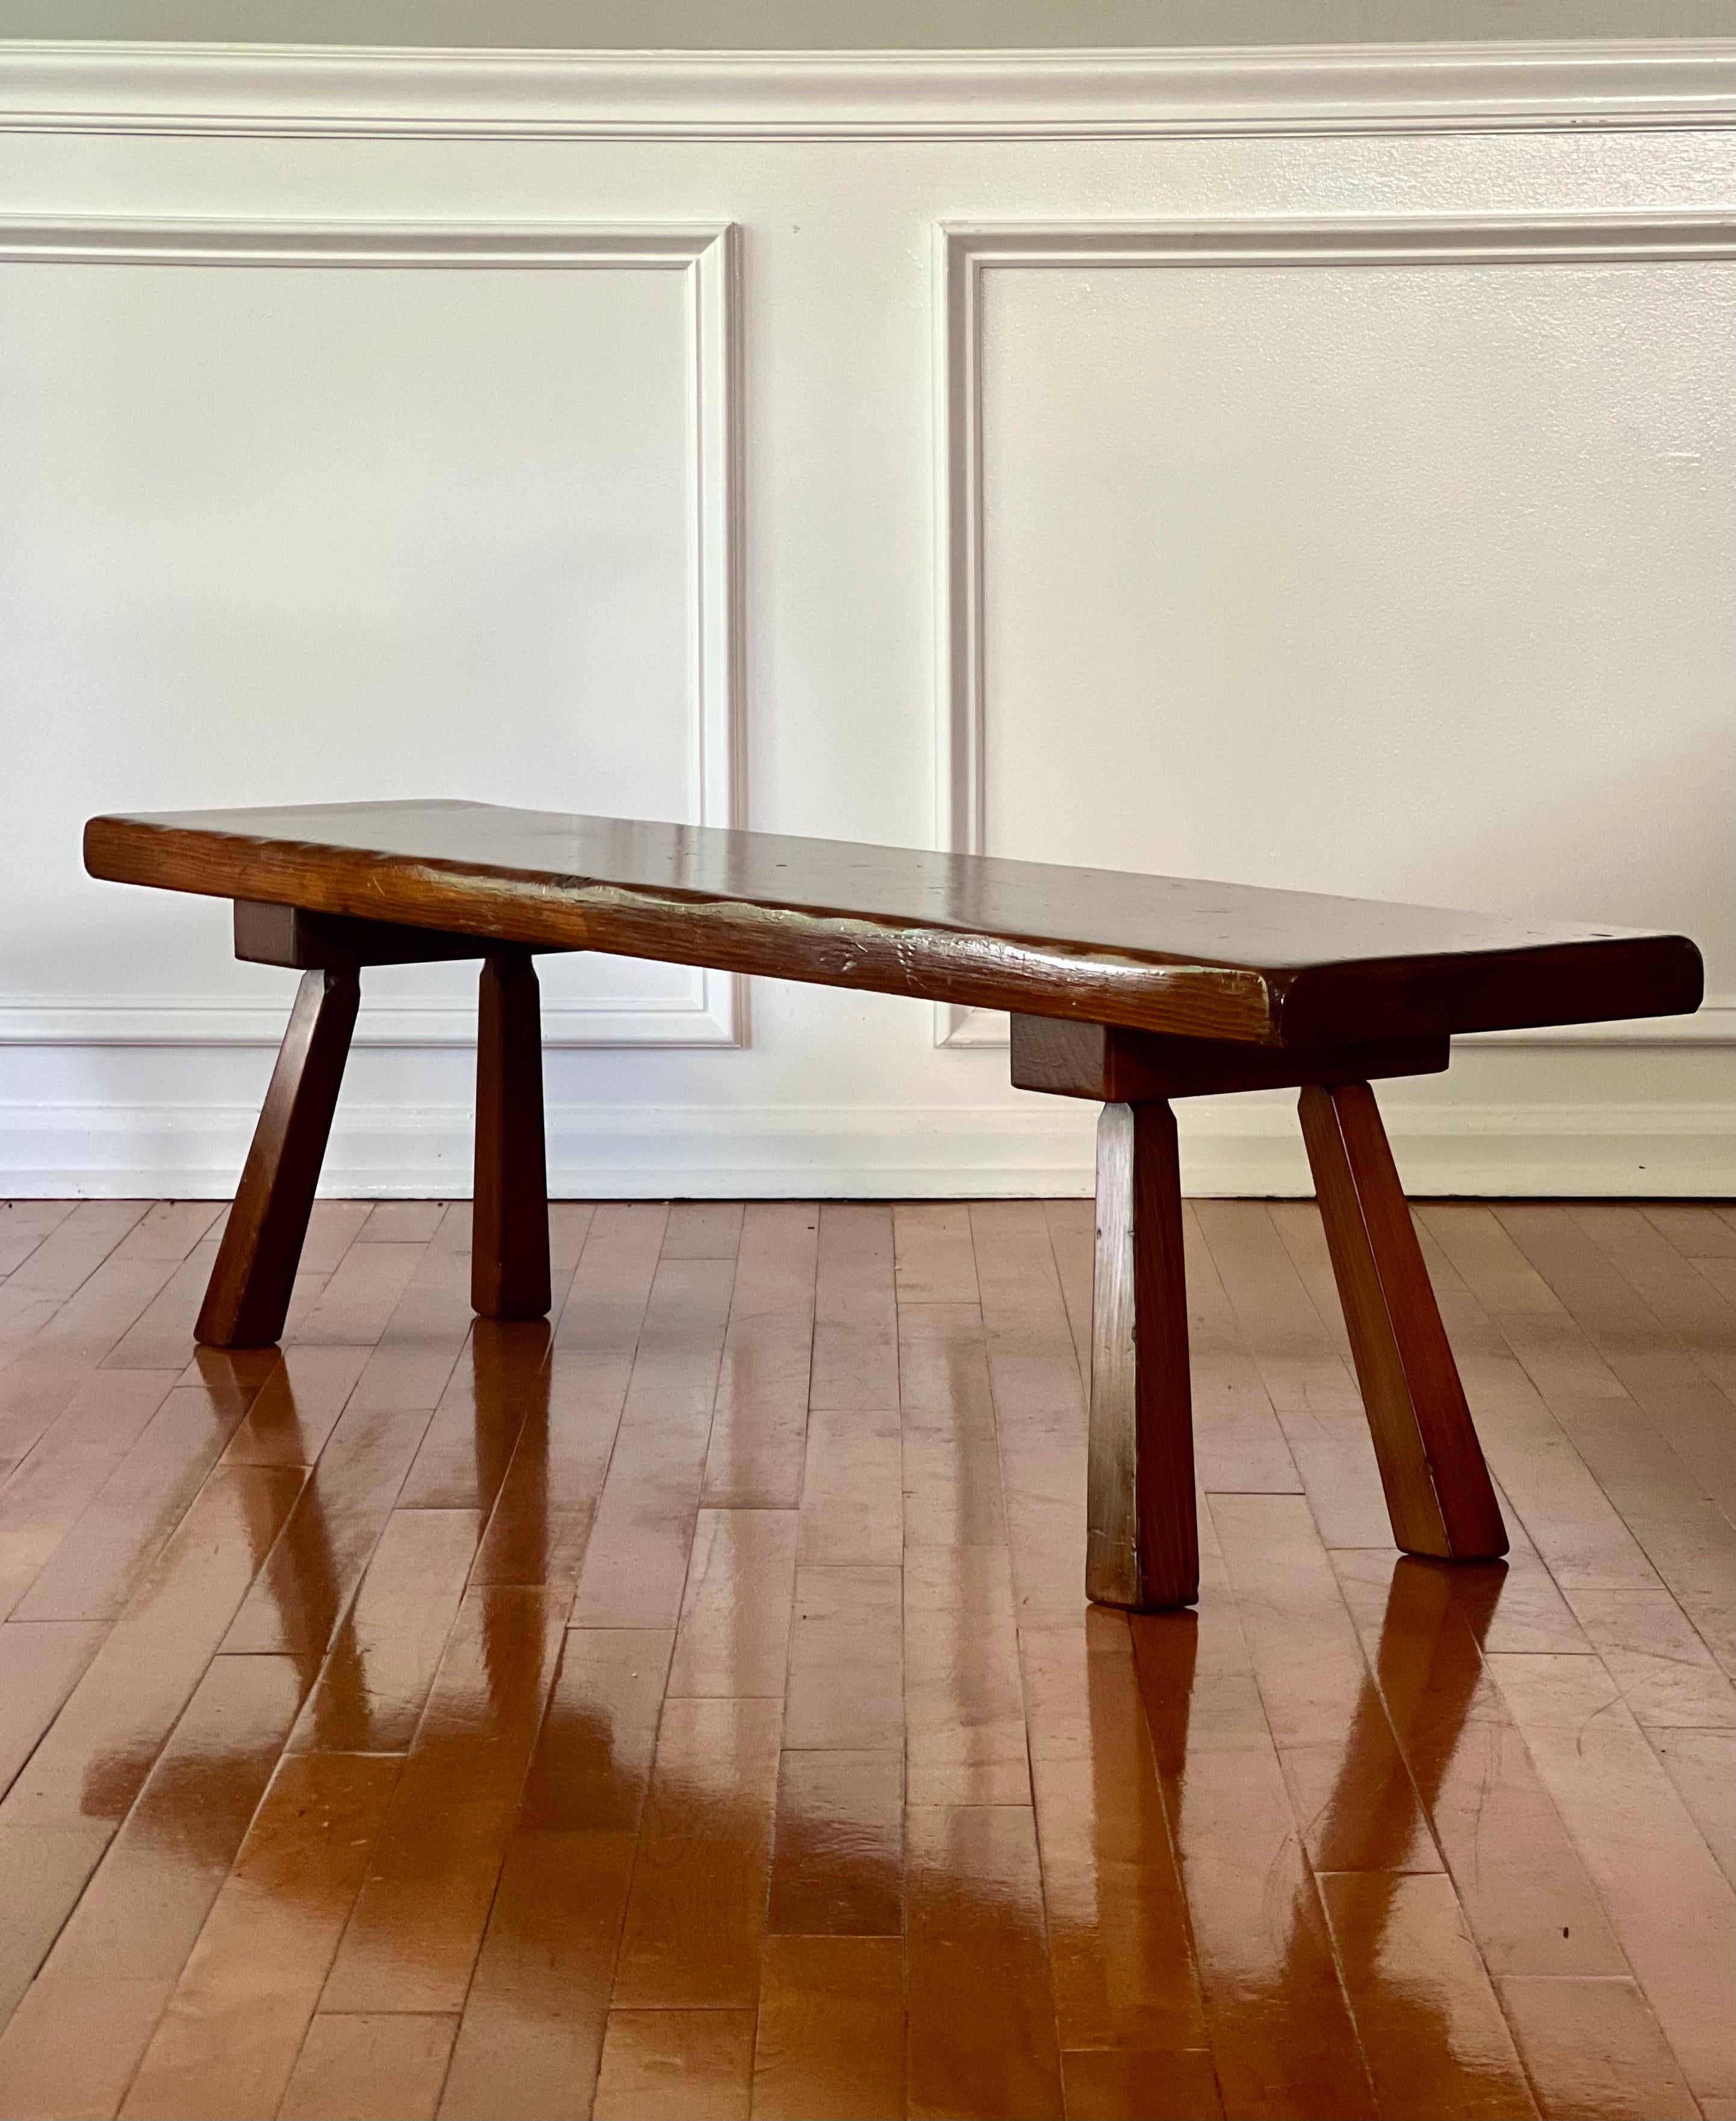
<point x="965" y="252"/>
<point x="714" y="1013"/>
<point x="331" y="92"/>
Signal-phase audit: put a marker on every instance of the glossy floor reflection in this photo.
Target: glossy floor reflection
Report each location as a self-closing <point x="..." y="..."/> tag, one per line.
<point x="687" y="1708"/>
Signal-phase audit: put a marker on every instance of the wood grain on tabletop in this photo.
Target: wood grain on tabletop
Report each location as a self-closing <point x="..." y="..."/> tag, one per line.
<point x="1161" y="954"/>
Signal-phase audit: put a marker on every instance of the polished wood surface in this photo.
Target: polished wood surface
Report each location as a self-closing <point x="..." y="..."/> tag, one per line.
<point x="1161" y="953"/>
<point x="1141" y="1543"/>
<point x="508" y="1268"/>
<point x="1141" y="1546"/>
<point x="1188" y="988"/>
<point x="290" y="935"/>
<point x="1118" y="1067"/>
<point x="1438" y="1490"/>
<point x="254" y="1272"/>
<point x="686" y="1705"/>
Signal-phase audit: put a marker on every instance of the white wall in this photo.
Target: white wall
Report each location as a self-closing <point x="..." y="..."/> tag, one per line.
<point x="1317" y="476"/>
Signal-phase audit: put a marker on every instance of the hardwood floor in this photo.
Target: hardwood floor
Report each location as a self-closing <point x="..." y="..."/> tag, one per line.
<point x="689" y="1708"/>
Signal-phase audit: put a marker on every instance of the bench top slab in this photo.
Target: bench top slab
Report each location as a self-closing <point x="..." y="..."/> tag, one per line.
<point x="1156" y="953"/>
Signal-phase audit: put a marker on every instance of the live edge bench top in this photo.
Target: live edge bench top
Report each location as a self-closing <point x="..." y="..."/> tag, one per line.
<point x="1157" y="954"/>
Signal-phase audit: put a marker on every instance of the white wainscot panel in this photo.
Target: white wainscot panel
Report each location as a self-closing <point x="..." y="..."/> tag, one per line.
<point x="341" y="512"/>
<point x="1392" y="559"/>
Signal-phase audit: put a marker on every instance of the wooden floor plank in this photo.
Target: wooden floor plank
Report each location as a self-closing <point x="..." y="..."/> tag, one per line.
<point x="1594" y="2051"/>
<point x="853" y="1488"/>
<point x="360" y="1294"/>
<point x="1667" y="1676"/>
<point x="1702" y="1765"/>
<point x="837" y="1866"/>
<point x="965" y="1735"/>
<point x="228" y="2040"/>
<point x="1564" y="1510"/>
<point x="1072" y="1240"/>
<point x="1348" y="1779"/>
<point x="418" y="1921"/>
<point x="1119" y="1940"/>
<point x="1430" y="2023"/>
<point x="312" y="1572"/>
<point x="1685" y="1538"/>
<point x="103" y="1987"/>
<point x="981" y="2020"/>
<point x="387" y="2066"/>
<point x="845" y="1689"/>
<point x="660" y="2064"/>
<point x="1277" y="2022"/>
<point x="96" y="1754"/>
<point x="96" y="1568"/>
<point x="943" y="1373"/>
<point x="1696" y="1230"/>
<point x="42" y="1377"/>
<point x="332" y="1229"/>
<point x="696" y="1914"/>
<point x="41" y="1663"/>
<point x="1039" y="1396"/>
<point x="636" y="1564"/>
<point x="498" y="1383"/>
<point x="66" y="1801"/>
<point x="829" y="2040"/>
<point x="951" y="1452"/>
<point x="296" y="1407"/>
<point x="1529" y="1900"/>
<point x="71" y="1253"/>
<point x="855" y="1354"/>
<point x="645" y="1714"/>
<point x="758" y="1428"/>
<point x="734" y="1635"/>
<point x="24" y="1224"/>
<point x="1675" y="1372"/>
<point x="1240" y="1444"/>
<point x="1116" y="2084"/>
<point x="43" y="1498"/>
<point x="703" y="1229"/>
<point x="401" y="1222"/>
<point x="531" y="2039"/>
<point x="1673" y="1908"/>
<point x="162" y="1337"/>
<point x="934" y="1257"/>
<point x="375" y="1681"/>
<point x="1266" y="1366"/>
<point x="541" y="1523"/>
<point x="1700" y="1319"/>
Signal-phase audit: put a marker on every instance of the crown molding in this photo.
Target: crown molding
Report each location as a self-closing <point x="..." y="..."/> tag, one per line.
<point x="329" y="92"/>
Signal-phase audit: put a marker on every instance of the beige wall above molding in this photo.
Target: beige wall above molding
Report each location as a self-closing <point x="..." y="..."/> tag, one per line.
<point x="860" y="25"/>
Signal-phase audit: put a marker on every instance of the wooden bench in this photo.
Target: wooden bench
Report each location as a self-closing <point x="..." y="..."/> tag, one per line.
<point x="1132" y="990"/>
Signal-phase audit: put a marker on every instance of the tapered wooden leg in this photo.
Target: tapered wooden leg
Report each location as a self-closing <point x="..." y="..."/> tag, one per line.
<point x="249" y="1295"/>
<point x="1438" y="1490"/>
<point x="509" y="1259"/>
<point x="1142" y="1537"/>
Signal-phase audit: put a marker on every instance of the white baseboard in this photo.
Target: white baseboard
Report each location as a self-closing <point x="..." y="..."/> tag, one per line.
<point x="654" y="1152"/>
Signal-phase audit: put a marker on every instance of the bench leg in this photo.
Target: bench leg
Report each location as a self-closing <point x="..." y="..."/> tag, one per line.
<point x="1438" y="1489"/>
<point x="249" y="1295"/>
<point x="1143" y="1536"/>
<point x="509" y="1259"/>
